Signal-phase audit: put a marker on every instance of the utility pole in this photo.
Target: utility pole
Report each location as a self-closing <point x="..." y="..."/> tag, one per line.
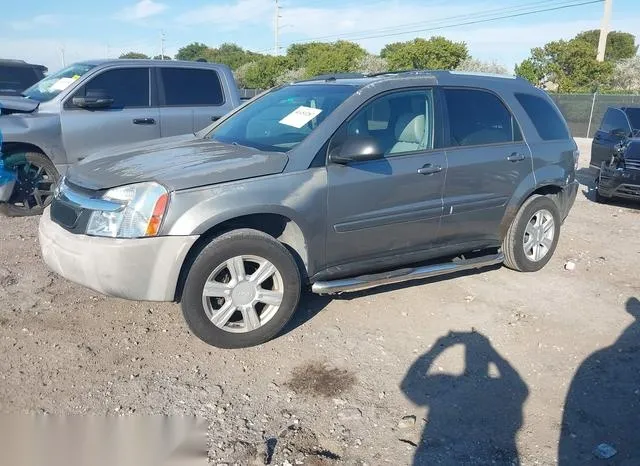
<point x="604" y="29"/>
<point x="62" y="56"/>
<point x="161" y="44"/>
<point x="276" y="48"/>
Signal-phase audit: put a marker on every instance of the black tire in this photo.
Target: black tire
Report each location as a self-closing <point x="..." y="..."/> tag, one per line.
<point x="37" y="177"/>
<point x="513" y="244"/>
<point x="243" y="242"/>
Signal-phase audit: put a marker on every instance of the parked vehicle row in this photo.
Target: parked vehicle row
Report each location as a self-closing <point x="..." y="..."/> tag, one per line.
<point x="332" y="184"/>
<point x="93" y="106"/>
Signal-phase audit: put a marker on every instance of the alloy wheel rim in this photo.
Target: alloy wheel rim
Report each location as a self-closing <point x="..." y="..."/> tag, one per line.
<point x="243" y="293"/>
<point x="538" y="235"/>
<point x="34" y="186"/>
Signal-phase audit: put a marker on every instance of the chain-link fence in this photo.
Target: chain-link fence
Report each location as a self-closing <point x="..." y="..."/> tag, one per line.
<point x="577" y="109"/>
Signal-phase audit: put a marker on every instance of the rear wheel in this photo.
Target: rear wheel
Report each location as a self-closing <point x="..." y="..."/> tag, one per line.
<point x="241" y="290"/>
<point x="36" y="179"/>
<point x="533" y="235"/>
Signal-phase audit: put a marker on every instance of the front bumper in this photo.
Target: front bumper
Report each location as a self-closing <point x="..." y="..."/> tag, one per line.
<point x="623" y="184"/>
<point x="144" y="269"/>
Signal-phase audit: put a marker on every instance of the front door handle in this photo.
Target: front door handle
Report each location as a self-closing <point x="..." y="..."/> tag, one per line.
<point x="144" y="121"/>
<point x="515" y="157"/>
<point x="215" y="118"/>
<point x="429" y="169"/>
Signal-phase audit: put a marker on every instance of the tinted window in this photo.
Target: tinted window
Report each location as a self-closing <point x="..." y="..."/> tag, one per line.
<point x="634" y="117"/>
<point x="479" y="117"/>
<point x="401" y="122"/>
<point x="283" y="118"/>
<point x="191" y="87"/>
<point x="546" y="119"/>
<point x="614" y="119"/>
<point x="15" y="79"/>
<point x="128" y="87"/>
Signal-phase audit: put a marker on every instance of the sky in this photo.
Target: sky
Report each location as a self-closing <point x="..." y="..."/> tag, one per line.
<point x="41" y="31"/>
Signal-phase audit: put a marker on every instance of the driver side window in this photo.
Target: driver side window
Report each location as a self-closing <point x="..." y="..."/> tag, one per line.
<point x="128" y="87"/>
<point x="401" y="122"/>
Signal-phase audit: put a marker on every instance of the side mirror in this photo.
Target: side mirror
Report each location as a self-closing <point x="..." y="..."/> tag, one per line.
<point x="356" y="149"/>
<point x="619" y="133"/>
<point x="97" y="100"/>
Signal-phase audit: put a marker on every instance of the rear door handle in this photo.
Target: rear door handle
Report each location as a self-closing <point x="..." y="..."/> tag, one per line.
<point x="515" y="157"/>
<point x="215" y="118"/>
<point x="429" y="169"/>
<point x="144" y="121"/>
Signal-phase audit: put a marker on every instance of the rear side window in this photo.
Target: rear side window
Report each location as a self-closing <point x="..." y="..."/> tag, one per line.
<point x="183" y="86"/>
<point x="478" y="118"/>
<point x="544" y="117"/>
<point x="15" y="79"/>
<point x="128" y="87"/>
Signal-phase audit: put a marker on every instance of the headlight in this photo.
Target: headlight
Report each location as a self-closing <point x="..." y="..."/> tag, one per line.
<point x="143" y="206"/>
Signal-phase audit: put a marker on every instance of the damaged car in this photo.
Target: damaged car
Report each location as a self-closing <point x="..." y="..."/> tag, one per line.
<point x="96" y="105"/>
<point x="619" y="177"/>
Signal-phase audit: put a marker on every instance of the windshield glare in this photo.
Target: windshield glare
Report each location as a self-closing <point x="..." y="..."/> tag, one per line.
<point x="54" y="84"/>
<point x="282" y="119"/>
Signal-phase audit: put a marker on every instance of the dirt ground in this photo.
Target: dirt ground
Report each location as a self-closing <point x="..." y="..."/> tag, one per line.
<point x="474" y="369"/>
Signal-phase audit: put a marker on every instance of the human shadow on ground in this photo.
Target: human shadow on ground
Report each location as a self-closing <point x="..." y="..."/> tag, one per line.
<point x="603" y="404"/>
<point x="473" y="418"/>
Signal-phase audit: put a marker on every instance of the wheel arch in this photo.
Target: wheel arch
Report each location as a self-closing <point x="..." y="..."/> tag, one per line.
<point x="276" y="225"/>
<point x="9" y="148"/>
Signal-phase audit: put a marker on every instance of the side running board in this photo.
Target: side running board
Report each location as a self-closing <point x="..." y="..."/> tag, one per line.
<point x="403" y="275"/>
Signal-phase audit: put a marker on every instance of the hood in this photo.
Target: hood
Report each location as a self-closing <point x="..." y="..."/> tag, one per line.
<point x="17" y="104"/>
<point x="180" y="162"/>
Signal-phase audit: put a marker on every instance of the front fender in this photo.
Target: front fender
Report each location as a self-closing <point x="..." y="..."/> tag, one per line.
<point x="41" y="130"/>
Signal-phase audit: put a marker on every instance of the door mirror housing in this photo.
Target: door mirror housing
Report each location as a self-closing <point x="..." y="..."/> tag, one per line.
<point x="93" y="100"/>
<point x="356" y="149"/>
<point x="619" y="133"/>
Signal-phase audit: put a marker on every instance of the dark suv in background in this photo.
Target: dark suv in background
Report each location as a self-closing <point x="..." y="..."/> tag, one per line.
<point x="18" y="75"/>
<point x="332" y="184"/>
<point x="618" y="124"/>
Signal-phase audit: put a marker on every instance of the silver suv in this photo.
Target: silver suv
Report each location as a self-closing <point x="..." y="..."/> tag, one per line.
<point x="332" y="184"/>
<point x="95" y="105"/>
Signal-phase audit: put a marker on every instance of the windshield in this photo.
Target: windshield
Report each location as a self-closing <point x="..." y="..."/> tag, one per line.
<point x="282" y="119"/>
<point x="55" y="83"/>
<point x="634" y="117"/>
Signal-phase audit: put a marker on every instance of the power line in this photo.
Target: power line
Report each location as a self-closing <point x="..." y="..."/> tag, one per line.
<point x="475" y="14"/>
<point x="511" y="13"/>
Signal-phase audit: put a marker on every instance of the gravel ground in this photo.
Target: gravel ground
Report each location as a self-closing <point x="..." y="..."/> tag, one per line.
<point x="473" y="369"/>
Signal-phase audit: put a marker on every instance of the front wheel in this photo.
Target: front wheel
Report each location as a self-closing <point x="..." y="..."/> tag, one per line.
<point x="533" y="235"/>
<point x="241" y="290"/>
<point x="36" y="179"/>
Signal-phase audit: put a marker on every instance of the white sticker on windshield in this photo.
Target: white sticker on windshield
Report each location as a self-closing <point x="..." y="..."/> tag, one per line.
<point x="62" y="84"/>
<point x="300" y="116"/>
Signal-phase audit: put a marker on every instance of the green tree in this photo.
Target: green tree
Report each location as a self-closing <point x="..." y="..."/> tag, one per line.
<point x="339" y="57"/>
<point x="437" y="53"/>
<point x="231" y="55"/>
<point x="192" y="51"/>
<point x="620" y="45"/>
<point x="263" y="73"/>
<point x="570" y="65"/>
<point x="136" y="55"/>
<point x="477" y="66"/>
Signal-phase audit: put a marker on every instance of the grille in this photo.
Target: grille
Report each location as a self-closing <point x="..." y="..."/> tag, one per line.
<point x="63" y="214"/>
<point x="632" y="164"/>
